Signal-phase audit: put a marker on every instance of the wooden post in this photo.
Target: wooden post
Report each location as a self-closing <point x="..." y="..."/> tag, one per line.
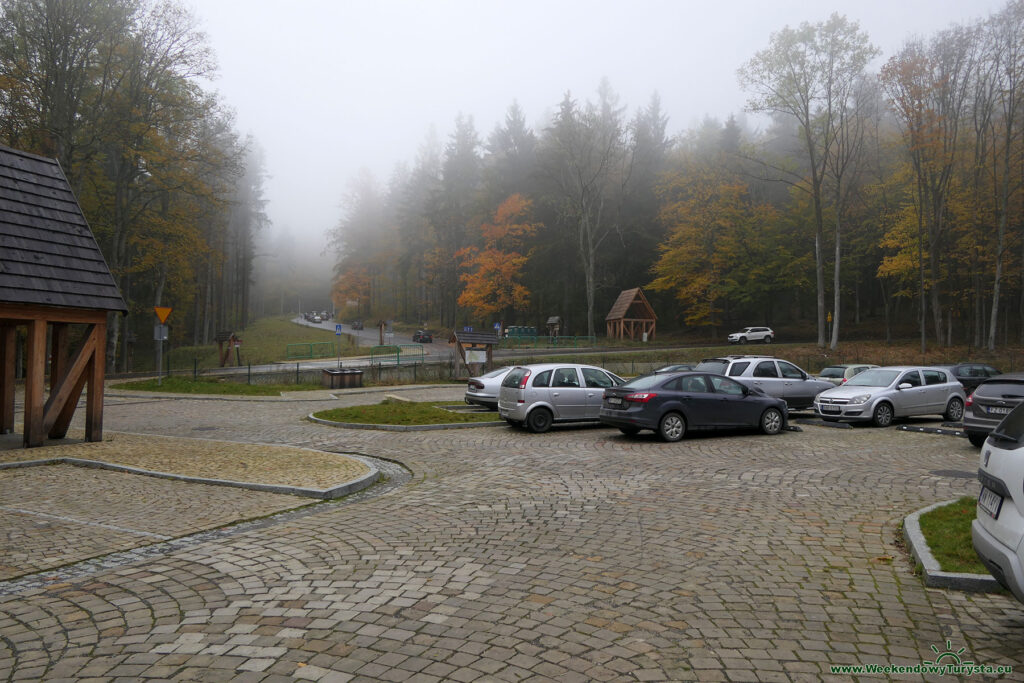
<point x="94" y="395"/>
<point x="8" y="350"/>
<point x="35" y="381"/>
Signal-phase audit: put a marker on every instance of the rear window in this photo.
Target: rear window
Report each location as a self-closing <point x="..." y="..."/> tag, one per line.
<point x="738" y="369"/>
<point x="513" y="378"/>
<point x="543" y="379"/>
<point x="715" y="365"/>
<point x="495" y="373"/>
<point x="645" y="382"/>
<point x="1012" y="426"/>
<point x="834" y="372"/>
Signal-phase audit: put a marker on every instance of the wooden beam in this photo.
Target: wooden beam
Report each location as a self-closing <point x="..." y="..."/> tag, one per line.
<point x="26" y="312"/>
<point x="8" y="351"/>
<point x="35" y="382"/>
<point x="94" y="398"/>
<point x="63" y="395"/>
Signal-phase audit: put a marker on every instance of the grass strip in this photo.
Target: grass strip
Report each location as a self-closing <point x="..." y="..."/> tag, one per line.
<point x="212" y="385"/>
<point x="948" y="532"/>
<point x="390" y="412"/>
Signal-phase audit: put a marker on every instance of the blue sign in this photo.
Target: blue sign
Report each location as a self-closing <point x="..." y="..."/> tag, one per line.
<point x="337" y="329"/>
<point x="497" y="326"/>
<point x="467" y="329"/>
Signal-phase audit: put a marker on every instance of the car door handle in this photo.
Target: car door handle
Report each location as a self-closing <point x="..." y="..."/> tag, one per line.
<point x="554" y="393"/>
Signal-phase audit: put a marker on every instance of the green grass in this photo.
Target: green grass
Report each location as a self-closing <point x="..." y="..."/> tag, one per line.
<point x="391" y="412"/>
<point x="181" y="385"/>
<point x="263" y="341"/>
<point x="948" y="532"/>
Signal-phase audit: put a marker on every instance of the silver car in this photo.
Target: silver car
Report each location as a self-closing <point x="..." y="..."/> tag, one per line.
<point x="839" y="374"/>
<point x="483" y="390"/>
<point x="880" y="394"/>
<point x="772" y="376"/>
<point x="537" y="396"/>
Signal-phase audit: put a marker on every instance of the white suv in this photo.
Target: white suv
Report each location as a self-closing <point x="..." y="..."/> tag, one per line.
<point x="752" y="334"/>
<point x="773" y="376"/>
<point x="998" y="530"/>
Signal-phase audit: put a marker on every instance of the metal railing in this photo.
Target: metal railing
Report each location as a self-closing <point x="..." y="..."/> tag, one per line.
<point x="310" y="350"/>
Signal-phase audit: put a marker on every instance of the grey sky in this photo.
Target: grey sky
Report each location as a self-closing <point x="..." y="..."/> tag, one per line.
<point x="331" y="86"/>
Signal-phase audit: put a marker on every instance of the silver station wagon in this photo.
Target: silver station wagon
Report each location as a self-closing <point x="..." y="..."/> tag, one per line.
<point x="880" y="394"/>
<point x="537" y="396"/>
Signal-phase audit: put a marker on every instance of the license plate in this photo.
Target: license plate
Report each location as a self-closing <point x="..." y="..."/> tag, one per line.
<point x="991" y="502"/>
<point x="614" y="400"/>
<point x="831" y="409"/>
<point x="999" y="410"/>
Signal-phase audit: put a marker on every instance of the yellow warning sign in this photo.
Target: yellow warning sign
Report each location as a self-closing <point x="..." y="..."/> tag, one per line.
<point x="162" y="312"/>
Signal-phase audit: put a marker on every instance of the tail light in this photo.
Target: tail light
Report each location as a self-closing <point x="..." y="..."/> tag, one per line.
<point x="970" y="400"/>
<point x="844" y="381"/>
<point x="473" y="384"/>
<point x="639" y="397"/>
<point x="526" y="377"/>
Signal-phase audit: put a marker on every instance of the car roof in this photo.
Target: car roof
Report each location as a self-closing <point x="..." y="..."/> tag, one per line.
<point x="739" y="356"/>
<point x="548" y="366"/>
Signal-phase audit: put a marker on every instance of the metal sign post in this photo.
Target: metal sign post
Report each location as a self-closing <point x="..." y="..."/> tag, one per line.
<point x="160" y="336"/>
<point x="337" y="333"/>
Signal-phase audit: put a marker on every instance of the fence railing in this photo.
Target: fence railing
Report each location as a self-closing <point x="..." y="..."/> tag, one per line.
<point x="544" y="341"/>
<point x="310" y="350"/>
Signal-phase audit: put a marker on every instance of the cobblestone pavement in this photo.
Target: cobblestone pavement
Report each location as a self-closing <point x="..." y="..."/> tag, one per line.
<point x="576" y="555"/>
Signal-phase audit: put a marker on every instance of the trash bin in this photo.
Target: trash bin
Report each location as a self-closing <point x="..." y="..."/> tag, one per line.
<point x="351" y="378"/>
<point x="332" y="379"/>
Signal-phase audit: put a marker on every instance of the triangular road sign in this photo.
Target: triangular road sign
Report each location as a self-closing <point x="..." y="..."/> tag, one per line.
<point x="162" y="312"/>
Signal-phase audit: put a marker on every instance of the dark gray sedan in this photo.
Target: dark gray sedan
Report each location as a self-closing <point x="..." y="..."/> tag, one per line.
<point x="990" y="403"/>
<point x="671" y="405"/>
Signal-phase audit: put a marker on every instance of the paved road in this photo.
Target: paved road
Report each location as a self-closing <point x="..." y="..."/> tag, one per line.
<point x="577" y="555"/>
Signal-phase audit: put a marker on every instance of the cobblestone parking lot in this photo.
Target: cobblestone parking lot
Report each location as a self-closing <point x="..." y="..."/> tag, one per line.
<point x="576" y="555"/>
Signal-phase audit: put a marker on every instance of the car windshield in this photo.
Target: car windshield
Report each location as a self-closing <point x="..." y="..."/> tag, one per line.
<point x="645" y="382"/>
<point x="833" y="371"/>
<point x="873" y="378"/>
<point x="715" y="365"/>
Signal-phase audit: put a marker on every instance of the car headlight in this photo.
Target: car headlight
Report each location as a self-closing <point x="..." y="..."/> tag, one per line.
<point x="863" y="398"/>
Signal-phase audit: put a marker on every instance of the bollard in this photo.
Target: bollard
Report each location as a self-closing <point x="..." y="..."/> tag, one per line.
<point x="296" y="373"/>
<point x="250" y="372"/>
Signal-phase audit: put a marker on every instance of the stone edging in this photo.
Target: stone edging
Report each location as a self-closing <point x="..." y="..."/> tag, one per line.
<point x="933" y="574"/>
<point x="404" y="428"/>
<point x="324" y="494"/>
<point x="932" y="430"/>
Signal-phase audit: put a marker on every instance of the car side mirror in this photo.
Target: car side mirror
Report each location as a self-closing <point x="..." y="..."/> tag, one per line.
<point x="803" y="374"/>
<point x="905" y="385"/>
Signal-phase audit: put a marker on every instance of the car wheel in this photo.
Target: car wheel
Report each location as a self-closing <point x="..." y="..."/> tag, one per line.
<point x="977" y="439"/>
<point x="672" y="427"/>
<point x="954" y="410"/>
<point x="743" y="340"/>
<point x="629" y="431"/>
<point x="768" y="339"/>
<point x="771" y="421"/>
<point x="539" y="421"/>
<point x="882" y="417"/>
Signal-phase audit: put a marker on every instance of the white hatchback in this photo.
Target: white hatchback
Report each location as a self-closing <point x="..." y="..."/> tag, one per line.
<point x="998" y="529"/>
<point x="880" y="394"/>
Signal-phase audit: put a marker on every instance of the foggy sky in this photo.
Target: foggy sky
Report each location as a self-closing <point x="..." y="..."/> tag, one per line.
<point x="330" y="86"/>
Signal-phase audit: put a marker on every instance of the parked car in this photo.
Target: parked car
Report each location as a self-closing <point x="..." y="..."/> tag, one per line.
<point x="483" y="390"/>
<point x="992" y="401"/>
<point x="677" y="367"/>
<point x="773" y="376"/>
<point x="672" y="405"/>
<point x="317" y="319"/>
<point x="423" y="337"/>
<point x="752" y="334"/>
<point x="357" y="324"/>
<point x="880" y="394"/>
<point x="838" y="374"/>
<point x="539" y="395"/>
<point x="971" y="374"/>
<point x="997" y="532"/>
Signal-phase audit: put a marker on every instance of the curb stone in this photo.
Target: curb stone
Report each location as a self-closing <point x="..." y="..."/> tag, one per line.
<point x="359" y="484"/>
<point x="933" y="574"/>
<point x="403" y="428"/>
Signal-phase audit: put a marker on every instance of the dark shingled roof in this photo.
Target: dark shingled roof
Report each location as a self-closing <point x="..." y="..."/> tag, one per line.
<point x="48" y="255"/>
<point x="474" y="337"/>
<point x="624" y="304"/>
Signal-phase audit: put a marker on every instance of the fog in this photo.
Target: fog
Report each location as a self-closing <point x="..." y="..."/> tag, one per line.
<point x="330" y="87"/>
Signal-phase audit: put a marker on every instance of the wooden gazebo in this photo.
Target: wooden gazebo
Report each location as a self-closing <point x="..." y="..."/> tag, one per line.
<point x="52" y="277"/>
<point x="631" y="316"/>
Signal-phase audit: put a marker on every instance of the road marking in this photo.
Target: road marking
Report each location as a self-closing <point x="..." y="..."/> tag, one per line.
<point x="85" y="522"/>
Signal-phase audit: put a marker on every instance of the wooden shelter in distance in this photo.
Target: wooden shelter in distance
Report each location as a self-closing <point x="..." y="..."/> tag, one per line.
<point x="631" y="316"/>
<point x="52" y="275"/>
<point x="474" y="347"/>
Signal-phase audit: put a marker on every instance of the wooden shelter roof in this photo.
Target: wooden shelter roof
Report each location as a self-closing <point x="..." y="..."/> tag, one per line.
<point x="473" y="337"/>
<point x="48" y="254"/>
<point x="626" y="299"/>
